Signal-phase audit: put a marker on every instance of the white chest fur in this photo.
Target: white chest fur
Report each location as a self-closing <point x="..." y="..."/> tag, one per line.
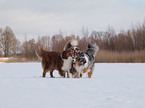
<point x="67" y="64"/>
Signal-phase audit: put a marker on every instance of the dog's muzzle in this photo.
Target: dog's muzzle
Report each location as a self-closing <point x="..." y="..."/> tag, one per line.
<point x="74" y="52"/>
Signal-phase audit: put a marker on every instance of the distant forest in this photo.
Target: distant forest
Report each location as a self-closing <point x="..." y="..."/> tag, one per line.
<point x="132" y="40"/>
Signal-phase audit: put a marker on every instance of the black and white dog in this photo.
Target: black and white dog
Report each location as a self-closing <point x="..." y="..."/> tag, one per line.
<point x="85" y="60"/>
<point x="70" y="62"/>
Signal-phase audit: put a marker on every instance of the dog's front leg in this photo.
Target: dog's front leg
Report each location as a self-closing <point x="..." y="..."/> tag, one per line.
<point x="86" y="70"/>
<point x="89" y="74"/>
<point x="69" y="74"/>
<point x="80" y="75"/>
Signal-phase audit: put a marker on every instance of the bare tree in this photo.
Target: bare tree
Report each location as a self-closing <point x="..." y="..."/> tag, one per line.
<point x="45" y="42"/>
<point x="56" y="43"/>
<point x="28" y="49"/>
<point x="7" y="41"/>
<point x="17" y="48"/>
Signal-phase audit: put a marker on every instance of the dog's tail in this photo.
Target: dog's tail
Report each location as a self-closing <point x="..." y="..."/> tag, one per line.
<point x="71" y="43"/>
<point x="93" y="48"/>
<point x="39" y="51"/>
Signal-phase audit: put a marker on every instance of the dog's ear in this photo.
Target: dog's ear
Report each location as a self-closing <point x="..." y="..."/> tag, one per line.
<point x="64" y="55"/>
<point x="68" y="46"/>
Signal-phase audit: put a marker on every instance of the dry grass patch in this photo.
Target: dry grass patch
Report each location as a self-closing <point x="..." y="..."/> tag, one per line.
<point x="125" y="56"/>
<point x="13" y="60"/>
<point x="102" y="56"/>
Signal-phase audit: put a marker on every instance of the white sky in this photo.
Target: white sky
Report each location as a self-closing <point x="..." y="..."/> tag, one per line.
<point x="48" y="17"/>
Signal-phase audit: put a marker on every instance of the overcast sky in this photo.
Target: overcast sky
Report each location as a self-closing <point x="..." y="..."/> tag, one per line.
<point x="48" y="17"/>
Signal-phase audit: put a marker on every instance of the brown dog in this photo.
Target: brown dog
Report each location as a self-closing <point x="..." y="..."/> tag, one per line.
<point x="53" y="61"/>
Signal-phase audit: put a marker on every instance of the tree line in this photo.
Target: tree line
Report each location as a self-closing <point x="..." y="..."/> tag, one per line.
<point x="130" y="40"/>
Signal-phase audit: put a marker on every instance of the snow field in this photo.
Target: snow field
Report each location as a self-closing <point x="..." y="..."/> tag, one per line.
<point x="112" y="85"/>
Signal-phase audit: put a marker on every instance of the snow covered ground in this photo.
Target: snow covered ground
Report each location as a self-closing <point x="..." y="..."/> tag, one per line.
<point x="111" y="86"/>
